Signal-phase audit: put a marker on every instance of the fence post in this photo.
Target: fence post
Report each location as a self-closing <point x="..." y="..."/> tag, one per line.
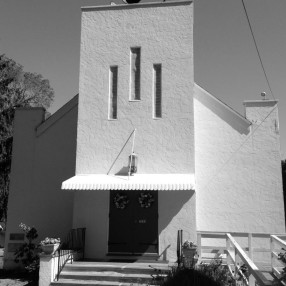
<point x="250" y="252"/>
<point x="251" y="280"/>
<point x="46" y="269"/>
<point x="228" y="258"/>
<point x="199" y="244"/>
<point x="272" y="249"/>
<point x="235" y="264"/>
<point x="179" y="247"/>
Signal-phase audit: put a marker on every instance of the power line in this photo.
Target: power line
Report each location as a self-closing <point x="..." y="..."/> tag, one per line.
<point x="256" y="46"/>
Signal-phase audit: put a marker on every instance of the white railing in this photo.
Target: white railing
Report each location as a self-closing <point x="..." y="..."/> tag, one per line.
<point x="234" y="251"/>
<point x="228" y="247"/>
<point x="250" y="244"/>
<point x="276" y="247"/>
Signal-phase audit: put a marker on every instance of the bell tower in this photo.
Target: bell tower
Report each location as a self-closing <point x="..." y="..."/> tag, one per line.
<point x="136" y="72"/>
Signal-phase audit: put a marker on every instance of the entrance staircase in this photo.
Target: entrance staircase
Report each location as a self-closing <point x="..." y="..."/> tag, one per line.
<point x="111" y="273"/>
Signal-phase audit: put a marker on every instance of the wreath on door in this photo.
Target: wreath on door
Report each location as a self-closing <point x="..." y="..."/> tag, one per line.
<point x="121" y="201"/>
<point x="145" y="200"/>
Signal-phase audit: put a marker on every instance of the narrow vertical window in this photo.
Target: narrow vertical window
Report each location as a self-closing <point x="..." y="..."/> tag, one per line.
<point x="157" y="90"/>
<point x="135" y="73"/>
<point x="113" y="78"/>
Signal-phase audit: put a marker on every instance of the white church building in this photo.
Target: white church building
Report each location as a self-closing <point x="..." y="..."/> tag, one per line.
<point x="196" y="164"/>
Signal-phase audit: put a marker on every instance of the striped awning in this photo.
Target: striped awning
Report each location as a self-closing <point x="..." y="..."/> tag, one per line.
<point x="141" y="182"/>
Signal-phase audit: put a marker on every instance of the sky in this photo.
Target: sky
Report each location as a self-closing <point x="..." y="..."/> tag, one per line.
<point x="44" y="37"/>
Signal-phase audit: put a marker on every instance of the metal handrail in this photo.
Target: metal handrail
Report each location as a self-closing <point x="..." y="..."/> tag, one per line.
<point x="74" y="243"/>
<point x="179" y="246"/>
<point x="63" y="256"/>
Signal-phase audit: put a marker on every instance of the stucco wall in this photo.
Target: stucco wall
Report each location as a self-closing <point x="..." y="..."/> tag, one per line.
<point x="91" y="210"/>
<point x="43" y="156"/>
<point x="238" y="167"/>
<point x="165" y="34"/>
<point x="177" y="210"/>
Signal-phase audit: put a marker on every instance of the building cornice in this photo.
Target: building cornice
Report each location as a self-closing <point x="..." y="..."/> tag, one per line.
<point x="135" y="6"/>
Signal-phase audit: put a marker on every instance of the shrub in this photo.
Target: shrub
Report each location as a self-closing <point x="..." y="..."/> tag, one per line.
<point x="282" y="257"/>
<point x="27" y="253"/>
<point x="217" y="272"/>
<point x="213" y="274"/>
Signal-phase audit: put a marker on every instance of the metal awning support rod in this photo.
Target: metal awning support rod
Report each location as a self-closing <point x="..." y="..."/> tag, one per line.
<point x="132" y="151"/>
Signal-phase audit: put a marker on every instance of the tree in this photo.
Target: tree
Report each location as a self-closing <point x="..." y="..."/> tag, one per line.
<point x="17" y="89"/>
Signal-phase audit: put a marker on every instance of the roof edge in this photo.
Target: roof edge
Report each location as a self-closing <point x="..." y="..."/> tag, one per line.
<point x="263" y="102"/>
<point x="224" y="104"/>
<point x="57" y="115"/>
<point x="134" y="6"/>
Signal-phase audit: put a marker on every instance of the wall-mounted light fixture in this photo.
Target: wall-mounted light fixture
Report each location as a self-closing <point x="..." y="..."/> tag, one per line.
<point x="133" y="163"/>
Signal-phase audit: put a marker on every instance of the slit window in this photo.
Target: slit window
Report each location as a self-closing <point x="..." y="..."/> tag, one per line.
<point x="135" y="73"/>
<point x="113" y="81"/>
<point x="157" y="90"/>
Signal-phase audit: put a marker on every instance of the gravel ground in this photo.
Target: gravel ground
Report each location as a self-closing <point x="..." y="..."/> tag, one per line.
<point x="12" y="278"/>
<point x="12" y="282"/>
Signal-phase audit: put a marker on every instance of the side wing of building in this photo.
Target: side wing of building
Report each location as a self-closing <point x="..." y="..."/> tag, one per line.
<point x="43" y="156"/>
<point x="238" y="166"/>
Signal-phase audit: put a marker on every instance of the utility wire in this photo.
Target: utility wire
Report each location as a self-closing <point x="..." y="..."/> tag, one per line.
<point x="249" y="24"/>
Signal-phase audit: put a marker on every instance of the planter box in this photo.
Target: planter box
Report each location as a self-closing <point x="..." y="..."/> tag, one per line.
<point x="49" y="248"/>
<point x="189" y="257"/>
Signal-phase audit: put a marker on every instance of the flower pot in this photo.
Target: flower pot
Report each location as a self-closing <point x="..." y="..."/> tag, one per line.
<point x="49" y="248"/>
<point x="189" y="257"/>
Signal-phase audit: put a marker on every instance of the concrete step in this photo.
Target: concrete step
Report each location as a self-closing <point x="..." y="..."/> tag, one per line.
<point x="106" y="276"/>
<point x="68" y="282"/>
<point x="111" y="273"/>
<point x="143" y="268"/>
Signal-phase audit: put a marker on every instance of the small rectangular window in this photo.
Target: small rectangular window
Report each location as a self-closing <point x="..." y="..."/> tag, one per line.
<point x="135" y="62"/>
<point x="113" y="80"/>
<point x="157" y="89"/>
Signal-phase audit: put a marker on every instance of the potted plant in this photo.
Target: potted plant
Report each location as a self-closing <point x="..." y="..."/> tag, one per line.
<point x="189" y="251"/>
<point x="49" y="245"/>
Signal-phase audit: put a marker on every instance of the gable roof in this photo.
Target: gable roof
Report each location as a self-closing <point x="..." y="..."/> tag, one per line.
<point x="222" y="110"/>
<point x="57" y="115"/>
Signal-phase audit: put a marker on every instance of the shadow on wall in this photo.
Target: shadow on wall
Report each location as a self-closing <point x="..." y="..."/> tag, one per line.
<point x="177" y="210"/>
<point x="234" y="119"/>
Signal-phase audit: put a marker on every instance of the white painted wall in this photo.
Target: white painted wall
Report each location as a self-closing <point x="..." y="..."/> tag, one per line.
<point x="238" y="167"/>
<point x="165" y="34"/>
<point x="91" y="210"/>
<point x="177" y="210"/>
<point x="43" y="156"/>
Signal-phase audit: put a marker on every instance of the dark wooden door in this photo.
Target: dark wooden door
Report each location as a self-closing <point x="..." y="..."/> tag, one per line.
<point x="133" y="222"/>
